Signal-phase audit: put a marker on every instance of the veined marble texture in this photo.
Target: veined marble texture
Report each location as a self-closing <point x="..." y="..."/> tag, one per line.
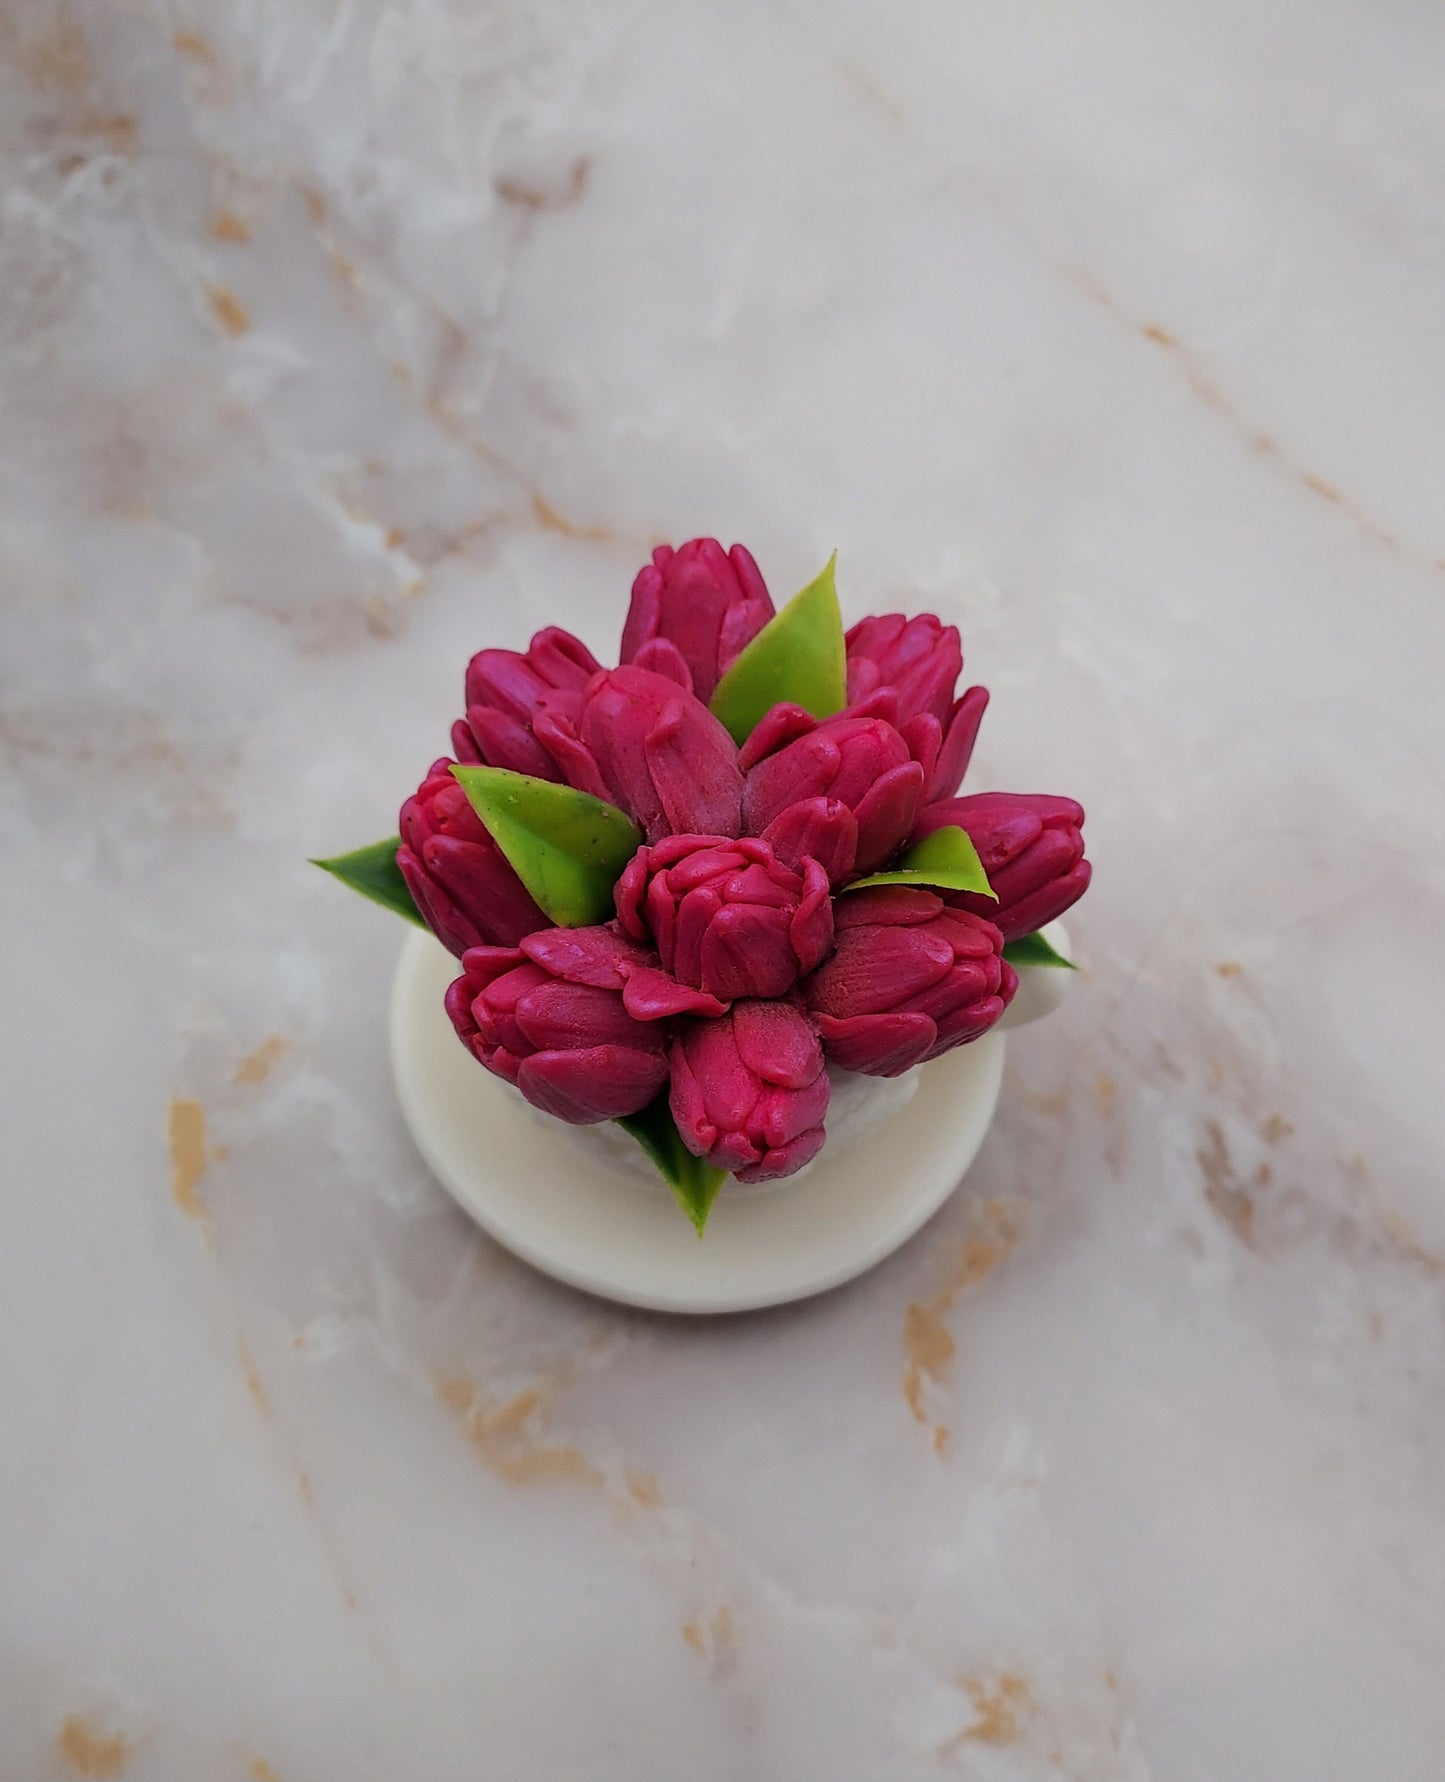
<point x="339" y="338"/>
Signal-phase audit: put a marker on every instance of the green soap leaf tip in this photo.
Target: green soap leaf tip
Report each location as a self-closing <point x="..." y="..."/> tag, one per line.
<point x="946" y="859"/>
<point x="799" y="656"/>
<point x="1035" y="949"/>
<point x="694" y="1184"/>
<point x="373" y="872"/>
<point x="566" y="847"/>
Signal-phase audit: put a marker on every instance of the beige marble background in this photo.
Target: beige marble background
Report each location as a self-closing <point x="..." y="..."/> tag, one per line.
<point x="340" y="337"/>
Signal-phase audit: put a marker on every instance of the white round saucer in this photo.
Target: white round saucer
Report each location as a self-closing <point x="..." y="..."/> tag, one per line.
<point x="594" y="1227"/>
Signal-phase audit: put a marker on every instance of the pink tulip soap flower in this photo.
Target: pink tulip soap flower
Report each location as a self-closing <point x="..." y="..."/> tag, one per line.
<point x="642" y="742"/>
<point x="1032" y="848"/>
<point x="749" y="1089"/>
<point x="909" y="979"/>
<point x="548" y="1016"/>
<point x="860" y="762"/>
<point x="462" y="884"/>
<point x="504" y="691"/>
<point x="693" y="610"/>
<point x="919" y="661"/>
<point x="727" y="917"/>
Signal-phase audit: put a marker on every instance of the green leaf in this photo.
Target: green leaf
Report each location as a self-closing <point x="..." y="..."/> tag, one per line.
<point x="947" y="859"/>
<point x="798" y="656"/>
<point x="375" y="874"/>
<point x="1033" y="949"/>
<point x="566" y="847"/>
<point x="693" y="1182"/>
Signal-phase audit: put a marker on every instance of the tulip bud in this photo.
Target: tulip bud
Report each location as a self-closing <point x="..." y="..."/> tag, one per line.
<point x="919" y="661"/>
<point x="505" y="688"/>
<point x="548" y="1016"/>
<point x="703" y="604"/>
<point x="909" y="978"/>
<point x="460" y="881"/>
<point x="1032" y="849"/>
<point x="727" y="917"/>
<point x="645" y="743"/>
<point x="919" y="658"/>
<point x="749" y="1090"/>
<point x="860" y="762"/>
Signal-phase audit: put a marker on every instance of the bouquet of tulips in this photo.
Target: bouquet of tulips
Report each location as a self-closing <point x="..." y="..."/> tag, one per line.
<point x="679" y="889"/>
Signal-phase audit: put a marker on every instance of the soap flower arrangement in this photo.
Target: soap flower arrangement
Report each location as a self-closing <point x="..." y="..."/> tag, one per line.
<point x="682" y="888"/>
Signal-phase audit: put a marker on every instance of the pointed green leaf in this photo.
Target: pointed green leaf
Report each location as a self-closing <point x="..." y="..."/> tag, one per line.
<point x="799" y="656"/>
<point x="693" y="1182"/>
<point x="947" y="859"/>
<point x="375" y="874"/>
<point x="566" y="847"/>
<point x="1034" y="949"/>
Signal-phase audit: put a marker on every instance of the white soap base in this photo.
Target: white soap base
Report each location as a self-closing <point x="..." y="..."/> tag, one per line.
<point x="565" y="1201"/>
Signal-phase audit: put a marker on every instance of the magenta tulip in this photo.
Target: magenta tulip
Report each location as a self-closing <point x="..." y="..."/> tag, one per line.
<point x="909" y="978"/>
<point x="919" y="661"/>
<point x="505" y="688"/>
<point x="643" y="742"/>
<point x="919" y="658"/>
<point x="1032" y="848"/>
<point x="727" y="917"/>
<point x="693" y="609"/>
<point x="749" y="1090"/>
<point x="861" y="762"/>
<point x="459" y="879"/>
<point x="548" y="1016"/>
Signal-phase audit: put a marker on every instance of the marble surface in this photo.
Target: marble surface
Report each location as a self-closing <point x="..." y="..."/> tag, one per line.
<point x="340" y="337"/>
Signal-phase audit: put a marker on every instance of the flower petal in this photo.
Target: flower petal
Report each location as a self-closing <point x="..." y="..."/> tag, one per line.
<point x="878" y="1045"/>
<point x="746" y="951"/>
<point x="776" y="1041"/>
<point x="651" y="995"/>
<point x="875" y="969"/>
<point x="822" y="829"/>
<point x="887" y="813"/>
<point x="596" y="1083"/>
